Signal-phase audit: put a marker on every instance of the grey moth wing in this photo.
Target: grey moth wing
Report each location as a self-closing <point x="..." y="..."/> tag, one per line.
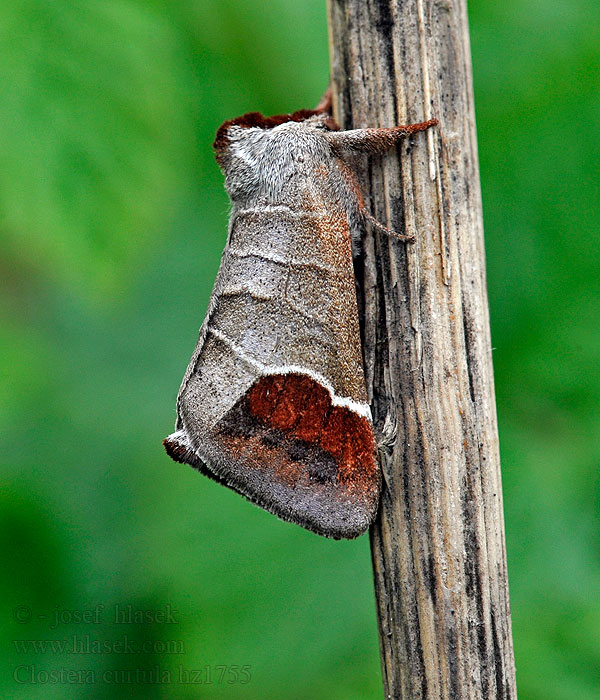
<point x="273" y="403"/>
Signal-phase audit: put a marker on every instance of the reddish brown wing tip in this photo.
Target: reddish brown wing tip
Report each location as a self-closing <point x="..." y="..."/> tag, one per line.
<point x="287" y="448"/>
<point x="179" y="449"/>
<point x="175" y="450"/>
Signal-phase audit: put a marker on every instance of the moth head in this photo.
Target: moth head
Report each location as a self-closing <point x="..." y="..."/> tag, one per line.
<point x="251" y="146"/>
<point x="311" y="117"/>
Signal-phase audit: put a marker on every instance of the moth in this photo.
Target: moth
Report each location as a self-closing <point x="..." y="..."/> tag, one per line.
<point x="273" y="403"/>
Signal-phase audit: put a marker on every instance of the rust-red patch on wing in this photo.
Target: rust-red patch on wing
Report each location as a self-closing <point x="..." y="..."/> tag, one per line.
<point x="314" y="414"/>
<point x="288" y="420"/>
<point x="294" y="393"/>
<point x="262" y="396"/>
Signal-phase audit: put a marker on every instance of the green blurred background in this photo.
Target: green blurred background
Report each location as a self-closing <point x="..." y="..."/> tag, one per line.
<point x="113" y="217"/>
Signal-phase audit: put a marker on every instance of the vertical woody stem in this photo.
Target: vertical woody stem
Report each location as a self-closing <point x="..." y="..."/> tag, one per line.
<point x="438" y="544"/>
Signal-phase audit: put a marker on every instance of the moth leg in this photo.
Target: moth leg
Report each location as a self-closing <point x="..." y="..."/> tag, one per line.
<point x="369" y="141"/>
<point x="375" y="140"/>
<point x="358" y="210"/>
<point x="384" y="229"/>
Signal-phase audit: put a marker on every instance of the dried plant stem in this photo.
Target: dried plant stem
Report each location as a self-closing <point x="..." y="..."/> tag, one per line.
<point x="438" y="545"/>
